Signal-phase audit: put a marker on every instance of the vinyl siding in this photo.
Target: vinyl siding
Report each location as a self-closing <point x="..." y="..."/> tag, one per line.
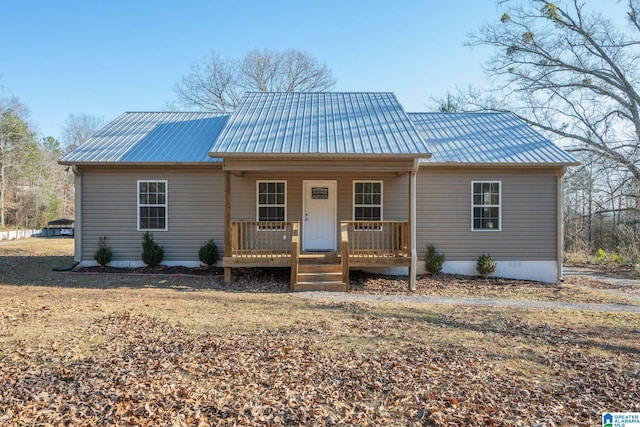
<point x="109" y="208"/>
<point x="395" y="194"/>
<point x="529" y="215"/>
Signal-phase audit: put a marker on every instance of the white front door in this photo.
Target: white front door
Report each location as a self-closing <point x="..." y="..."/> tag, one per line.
<point x="319" y="216"/>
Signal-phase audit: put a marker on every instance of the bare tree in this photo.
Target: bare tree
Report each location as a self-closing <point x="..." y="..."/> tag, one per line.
<point x="568" y="71"/>
<point x="217" y="84"/>
<point x="573" y="73"/>
<point x="78" y="128"/>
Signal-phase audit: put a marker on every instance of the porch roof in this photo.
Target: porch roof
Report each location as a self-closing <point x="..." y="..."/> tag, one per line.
<point x="319" y="124"/>
<point x="486" y="138"/>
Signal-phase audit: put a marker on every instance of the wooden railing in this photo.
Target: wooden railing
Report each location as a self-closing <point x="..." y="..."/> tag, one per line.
<point x="376" y="239"/>
<point x="264" y="239"/>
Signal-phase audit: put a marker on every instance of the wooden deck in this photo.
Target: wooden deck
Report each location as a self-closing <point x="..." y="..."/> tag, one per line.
<point x="277" y="244"/>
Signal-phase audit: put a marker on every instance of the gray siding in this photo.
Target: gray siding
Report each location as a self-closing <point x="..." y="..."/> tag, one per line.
<point x="395" y="194"/>
<point x="196" y="212"/>
<point x="529" y="216"/>
<point x="109" y="208"/>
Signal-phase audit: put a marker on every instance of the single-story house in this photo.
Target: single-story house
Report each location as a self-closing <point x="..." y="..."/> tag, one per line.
<point x="322" y="183"/>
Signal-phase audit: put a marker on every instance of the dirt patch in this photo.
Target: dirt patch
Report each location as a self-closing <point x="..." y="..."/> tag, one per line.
<point x="626" y="271"/>
<point x="161" y="269"/>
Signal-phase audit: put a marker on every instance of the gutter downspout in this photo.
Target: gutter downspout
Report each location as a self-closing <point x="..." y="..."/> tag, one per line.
<point x="77" y="232"/>
<point x="412" y="225"/>
<point x="560" y="224"/>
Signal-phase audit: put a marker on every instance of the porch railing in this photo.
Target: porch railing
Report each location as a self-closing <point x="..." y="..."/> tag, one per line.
<point x="264" y="239"/>
<point x="376" y="239"/>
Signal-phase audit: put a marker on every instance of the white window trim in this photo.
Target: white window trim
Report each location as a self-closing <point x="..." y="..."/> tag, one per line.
<point x="258" y="197"/>
<point x="499" y="206"/>
<point x="166" y="204"/>
<point x="353" y="198"/>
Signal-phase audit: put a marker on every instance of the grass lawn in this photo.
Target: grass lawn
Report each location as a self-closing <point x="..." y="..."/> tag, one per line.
<point x="181" y="351"/>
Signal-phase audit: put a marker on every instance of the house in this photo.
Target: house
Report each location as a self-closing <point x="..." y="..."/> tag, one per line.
<point x="323" y="183"/>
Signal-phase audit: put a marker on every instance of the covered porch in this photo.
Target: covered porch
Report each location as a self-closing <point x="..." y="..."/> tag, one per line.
<point x="320" y="235"/>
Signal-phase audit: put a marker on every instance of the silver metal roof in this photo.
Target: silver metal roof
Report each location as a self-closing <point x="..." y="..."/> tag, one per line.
<point x="481" y="138"/>
<point x="160" y="137"/>
<point x="306" y="123"/>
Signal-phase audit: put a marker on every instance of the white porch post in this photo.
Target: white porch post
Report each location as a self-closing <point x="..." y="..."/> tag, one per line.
<point x="412" y="224"/>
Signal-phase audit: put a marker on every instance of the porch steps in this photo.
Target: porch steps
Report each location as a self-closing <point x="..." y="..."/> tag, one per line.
<point x="320" y="272"/>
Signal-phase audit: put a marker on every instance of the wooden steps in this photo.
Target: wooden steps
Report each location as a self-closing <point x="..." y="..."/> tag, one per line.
<point x="320" y="272"/>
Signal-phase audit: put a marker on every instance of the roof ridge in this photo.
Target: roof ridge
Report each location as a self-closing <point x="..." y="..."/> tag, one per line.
<point x="178" y="112"/>
<point x="320" y="92"/>
<point x="459" y="112"/>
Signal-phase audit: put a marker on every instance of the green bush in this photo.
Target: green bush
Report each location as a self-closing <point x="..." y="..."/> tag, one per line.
<point x="617" y="259"/>
<point x="433" y="260"/>
<point x="208" y="253"/>
<point x="152" y="253"/>
<point x="601" y="255"/>
<point x="103" y="253"/>
<point x="486" y="265"/>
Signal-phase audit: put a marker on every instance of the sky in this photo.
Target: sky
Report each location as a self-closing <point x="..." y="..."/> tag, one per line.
<point x="106" y="57"/>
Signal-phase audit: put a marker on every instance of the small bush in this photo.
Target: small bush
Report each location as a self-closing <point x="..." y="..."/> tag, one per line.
<point x="617" y="259"/>
<point x="103" y="253"/>
<point x="601" y="255"/>
<point x="486" y="265"/>
<point x="208" y="253"/>
<point x="433" y="261"/>
<point x="152" y="253"/>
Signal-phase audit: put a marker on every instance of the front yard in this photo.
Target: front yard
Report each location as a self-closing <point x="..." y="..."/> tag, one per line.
<point x="182" y="351"/>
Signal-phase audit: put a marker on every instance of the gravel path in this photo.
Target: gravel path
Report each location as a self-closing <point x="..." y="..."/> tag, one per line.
<point x="485" y="302"/>
<point x="491" y="302"/>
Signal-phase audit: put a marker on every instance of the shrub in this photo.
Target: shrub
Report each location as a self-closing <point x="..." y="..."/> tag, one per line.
<point x="433" y="261"/>
<point x="208" y="253"/>
<point x="486" y="265"/>
<point x="103" y="253"/>
<point x="617" y="259"/>
<point x="601" y="255"/>
<point x="152" y="253"/>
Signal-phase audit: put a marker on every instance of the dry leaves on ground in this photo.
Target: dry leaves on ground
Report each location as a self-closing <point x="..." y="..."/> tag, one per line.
<point x="143" y="371"/>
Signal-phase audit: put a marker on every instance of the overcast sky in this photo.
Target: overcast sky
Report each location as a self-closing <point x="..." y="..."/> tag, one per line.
<point x="104" y="58"/>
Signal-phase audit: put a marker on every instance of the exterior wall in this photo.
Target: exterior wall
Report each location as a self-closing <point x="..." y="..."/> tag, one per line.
<point x="395" y="194"/>
<point x="527" y="243"/>
<point x="526" y="247"/>
<point x="109" y="208"/>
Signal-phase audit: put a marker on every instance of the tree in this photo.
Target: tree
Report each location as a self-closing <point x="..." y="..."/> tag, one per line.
<point x="447" y="104"/>
<point x="78" y="128"/>
<point x="217" y="84"/>
<point x="571" y="72"/>
<point x="16" y="143"/>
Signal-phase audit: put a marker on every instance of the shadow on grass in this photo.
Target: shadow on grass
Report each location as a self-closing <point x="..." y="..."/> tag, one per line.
<point x="38" y="271"/>
<point x="503" y="324"/>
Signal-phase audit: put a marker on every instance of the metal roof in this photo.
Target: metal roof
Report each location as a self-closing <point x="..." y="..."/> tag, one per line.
<point x="486" y="138"/>
<point x="146" y="137"/>
<point x="293" y="123"/>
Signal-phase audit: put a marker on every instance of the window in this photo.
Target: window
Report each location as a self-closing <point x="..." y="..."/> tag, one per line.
<point x="272" y="201"/>
<point x="485" y="205"/>
<point x="152" y="205"/>
<point x="367" y="201"/>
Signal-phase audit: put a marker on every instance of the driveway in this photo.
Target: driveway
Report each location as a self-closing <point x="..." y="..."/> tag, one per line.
<point x="492" y="302"/>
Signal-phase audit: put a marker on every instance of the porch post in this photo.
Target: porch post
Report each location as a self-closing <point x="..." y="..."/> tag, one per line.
<point x="227" y="224"/>
<point x="412" y="225"/>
